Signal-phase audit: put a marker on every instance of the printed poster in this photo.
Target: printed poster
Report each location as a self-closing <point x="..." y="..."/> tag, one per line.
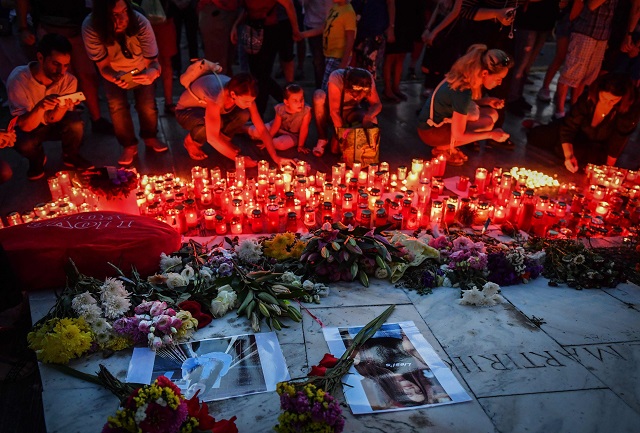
<point x="219" y="368"/>
<point x="396" y="369"/>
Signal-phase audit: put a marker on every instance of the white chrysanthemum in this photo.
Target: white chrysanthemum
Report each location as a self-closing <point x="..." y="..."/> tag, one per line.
<point x="116" y="307"/>
<point x="488" y="301"/>
<point x="321" y="290"/>
<point x="167" y="262"/>
<point x="101" y="326"/>
<point x="175" y="280"/>
<point x="218" y="308"/>
<point x="490" y="289"/>
<point x="446" y="282"/>
<point x="188" y="273"/>
<point x="82" y="300"/>
<point x="113" y="287"/>
<point x="472" y="297"/>
<point x="308" y="285"/>
<point x="249" y="251"/>
<point x="102" y="337"/>
<point x="90" y="313"/>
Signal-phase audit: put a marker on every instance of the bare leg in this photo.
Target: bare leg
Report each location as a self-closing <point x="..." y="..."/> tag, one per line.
<point x="561" y="96"/>
<point x="562" y="45"/>
<point x="320" y="113"/>
<point x="288" y="70"/>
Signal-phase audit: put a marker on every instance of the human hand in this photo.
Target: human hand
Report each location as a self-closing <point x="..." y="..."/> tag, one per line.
<point x="303" y="150"/>
<point x="7" y="139"/>
<point x="571" y="164"/>
<point x="427" y="38"/>
<point x="297" y="36"/>
<point x="367" y="121"/>
<point x="119" y="81"/>
<point x="283" y="162"/>
<point x="146" y="77"/>
<point x="627" y="44"/>
<point x="391" y="35"/>
<point x="27" y="37"/>
<point x="506" y="16"/>
<point x="496" y="103"/>
<point x="234" y="35"/>
<point x="49" y="102"/>
<point x="499" y="135"/>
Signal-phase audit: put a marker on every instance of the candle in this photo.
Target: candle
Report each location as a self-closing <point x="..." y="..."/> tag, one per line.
<point x="602" y="209"/>
<point x="236" y="226"/>
<point x="273" y="218"/>
<point x="463" y="183"/>
<point x="210" y="219"/>
<point x="221" y="225"/>
<point x="481" y="179"/>
<point x="499" y="215"/>
<point x="436" y="212"/>
<point x="310" y="217"/>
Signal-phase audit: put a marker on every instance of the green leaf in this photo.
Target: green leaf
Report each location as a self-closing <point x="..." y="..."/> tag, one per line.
<point x="324" y="252"/>
<point x="364" y="279"/>
<point x="354" y="270"/>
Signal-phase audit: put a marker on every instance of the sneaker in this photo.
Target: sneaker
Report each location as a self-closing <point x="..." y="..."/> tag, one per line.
<point x="544" y="95"/>
<point x="194" y="151"/>
<point x="36" y="169"/>
<point x="559" y="114"/>
<point x="77" y="162"/>
<point x="102" y="126"/>
<point x="126" y="158"/>
<point x="156" y="145"/>
<point x="319" y="149"/>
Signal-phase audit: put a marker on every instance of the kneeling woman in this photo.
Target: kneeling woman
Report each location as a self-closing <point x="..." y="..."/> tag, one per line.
<point x="456" y="113"/>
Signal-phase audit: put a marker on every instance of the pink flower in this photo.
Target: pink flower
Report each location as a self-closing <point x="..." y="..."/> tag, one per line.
<point x="158" y="308"/>
<point x="144" y="326"/>
<point x="463" y="243"/>
<point x="163" y="323"/>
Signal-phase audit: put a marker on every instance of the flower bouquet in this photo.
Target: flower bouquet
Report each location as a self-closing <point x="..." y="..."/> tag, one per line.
<point x="570" y="262"/>
<point x="111" y="182"/>
<point x="307" y="403"/>
<point x="157" y="408"/>
<point x="337" y="252"/>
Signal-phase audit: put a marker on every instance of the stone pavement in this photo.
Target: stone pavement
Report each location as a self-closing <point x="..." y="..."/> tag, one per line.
<point x="576" y="372"/>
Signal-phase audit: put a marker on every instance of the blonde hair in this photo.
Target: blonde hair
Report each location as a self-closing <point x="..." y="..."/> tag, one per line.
<point x="466" y="72"/>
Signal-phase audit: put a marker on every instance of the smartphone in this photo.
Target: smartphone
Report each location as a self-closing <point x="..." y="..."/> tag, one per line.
<point x="129" y="75"/>
<point x="511" y="13"/>
<point x="75" y="97"/>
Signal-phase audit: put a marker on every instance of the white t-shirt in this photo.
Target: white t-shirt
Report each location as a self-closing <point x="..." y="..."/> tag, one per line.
<point x="141" y="46"/>
<point x="25" y="91"/>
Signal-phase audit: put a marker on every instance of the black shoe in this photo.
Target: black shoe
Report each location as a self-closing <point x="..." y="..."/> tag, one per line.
<point x="102" y="126"/>
<point x="411" y="74"/>
<point x="508" y="144"/>
<point x="36" y="169"/>
<point x="77" y="162"/>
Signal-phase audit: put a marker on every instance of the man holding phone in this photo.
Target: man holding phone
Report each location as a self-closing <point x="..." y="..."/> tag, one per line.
<point x="34" y="92"/>
<point x="121" y="42"/>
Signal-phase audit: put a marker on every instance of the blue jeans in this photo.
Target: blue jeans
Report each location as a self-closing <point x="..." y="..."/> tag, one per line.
<point x="145" y="104"/>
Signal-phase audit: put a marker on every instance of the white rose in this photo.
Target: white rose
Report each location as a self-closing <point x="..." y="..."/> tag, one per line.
<point x="175" y="280"/>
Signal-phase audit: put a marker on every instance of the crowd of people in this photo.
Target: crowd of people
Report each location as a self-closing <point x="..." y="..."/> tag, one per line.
<point x="476" y="56"/>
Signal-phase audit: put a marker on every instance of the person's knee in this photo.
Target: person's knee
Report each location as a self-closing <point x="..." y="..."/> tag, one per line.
<point x="319" y="98"/>
<point x="493" y="115"/>
<point x="5" y="172"/>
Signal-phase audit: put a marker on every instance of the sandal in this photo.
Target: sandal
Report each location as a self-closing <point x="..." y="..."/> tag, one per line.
<point x="461" y="154"/>
<point x="319" y="149"/>
<point x="454" y="160"/>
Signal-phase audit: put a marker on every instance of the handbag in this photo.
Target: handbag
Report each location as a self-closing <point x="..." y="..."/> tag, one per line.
<point x="253" y="36"/>
<point x="358" y="144"/>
